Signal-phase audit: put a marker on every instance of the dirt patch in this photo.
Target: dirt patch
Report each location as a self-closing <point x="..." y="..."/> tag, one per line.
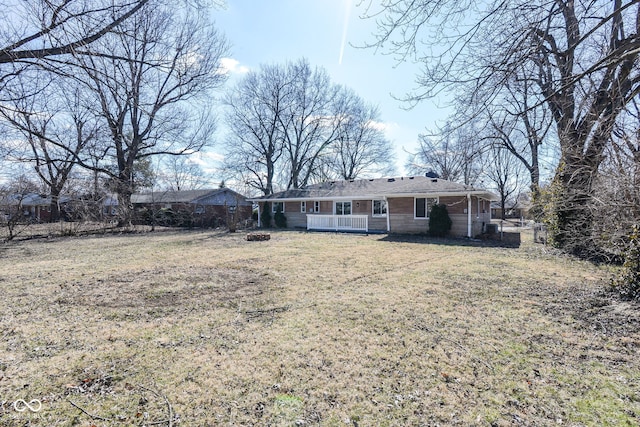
<point x="193" y="287"/>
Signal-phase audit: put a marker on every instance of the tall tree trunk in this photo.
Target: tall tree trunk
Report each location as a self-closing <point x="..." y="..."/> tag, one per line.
<point x="54" y="207"/>
<point x="573" y="214"/>
<point x="125" y="208"/>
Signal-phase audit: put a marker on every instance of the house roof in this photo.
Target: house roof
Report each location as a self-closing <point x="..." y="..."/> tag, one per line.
<point x="188" y="196"/>
<point x="33" y="199"/>
<point x="378" y="188"/>
<point x="170" y="196"/>
<point x="519" y="204"/>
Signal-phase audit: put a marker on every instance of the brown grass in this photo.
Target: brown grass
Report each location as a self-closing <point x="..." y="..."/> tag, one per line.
<point x="205" y="328"/>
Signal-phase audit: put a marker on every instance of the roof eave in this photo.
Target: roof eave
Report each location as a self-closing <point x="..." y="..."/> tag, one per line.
<point x="481" y="193"/>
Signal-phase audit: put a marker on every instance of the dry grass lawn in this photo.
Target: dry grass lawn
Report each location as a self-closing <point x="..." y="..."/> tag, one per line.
<point x="206" y="328"/>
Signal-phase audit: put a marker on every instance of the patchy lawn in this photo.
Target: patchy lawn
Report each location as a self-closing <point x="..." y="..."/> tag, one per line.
<point x="206" y="328"/>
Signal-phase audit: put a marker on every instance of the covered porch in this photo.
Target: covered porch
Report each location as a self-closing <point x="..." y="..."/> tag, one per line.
<point x="338" y="222"/>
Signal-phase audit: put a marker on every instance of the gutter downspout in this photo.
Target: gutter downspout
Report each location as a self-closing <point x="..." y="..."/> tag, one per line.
<point x="469" y="215"/>
<point x="388" y="214"/>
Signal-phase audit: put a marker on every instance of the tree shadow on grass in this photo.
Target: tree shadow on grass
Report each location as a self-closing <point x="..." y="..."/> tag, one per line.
<point x="509" y="240"/>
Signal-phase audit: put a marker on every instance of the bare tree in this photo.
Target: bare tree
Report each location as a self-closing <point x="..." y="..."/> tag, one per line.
<point x="290" y="124"/>
<point x="454" y="155"/>
<point x="57" y="127"/>
<point x="617" y="201"/>
<point x="43" y="35"/>
<point x="520" y="122"/>
<point x="12" y="196"/>
<point x="40" y="29"/>
<point x="255" y="141"/>
<point x="581" y="56"/>
<point x="315" y="111"/>
<point x="178" y="173"/>
<point x="624" y="157"/>
<point x="153" y="79"/>
<point x="585" y="100"/>
<point x="361" y="149"/>
<point x="504" y="171"/>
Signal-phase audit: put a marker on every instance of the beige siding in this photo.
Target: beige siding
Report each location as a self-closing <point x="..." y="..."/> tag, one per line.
<point x="296" y="219"/>
<point x="326" y="207"/>
<point x="377" y="223"/>
<point x="459" y="225"/>
<point x="291" y="207"/>
<point x="403" y="221"/>
<point x="455" y="205"/>
<point x="361" y="207"/>
<point x="401" y="215"/>
<point x="401" y="205"/>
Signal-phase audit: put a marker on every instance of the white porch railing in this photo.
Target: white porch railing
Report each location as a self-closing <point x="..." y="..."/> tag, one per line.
<point x="338" y="222"/>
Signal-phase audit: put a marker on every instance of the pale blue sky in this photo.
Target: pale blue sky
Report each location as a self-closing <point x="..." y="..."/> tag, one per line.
<point x="277" y="31"/>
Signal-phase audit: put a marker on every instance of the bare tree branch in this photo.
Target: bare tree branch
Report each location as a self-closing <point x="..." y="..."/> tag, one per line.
<point x="12" y="52"/>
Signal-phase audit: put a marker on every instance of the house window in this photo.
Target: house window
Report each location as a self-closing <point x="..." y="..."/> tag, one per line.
<point x="316" y="206"/>
<point x="277" y="205"/>
<point x="343" y="208"/>
<point x="379" y="208"/>
<point x="423" y="206"/>
<point x="303" y="207"/>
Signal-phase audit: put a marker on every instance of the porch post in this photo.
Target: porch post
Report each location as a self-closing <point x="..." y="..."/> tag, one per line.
<point x="259" y="222"/>
<point x="469" y="215"/>
<point x="388" y="214"/>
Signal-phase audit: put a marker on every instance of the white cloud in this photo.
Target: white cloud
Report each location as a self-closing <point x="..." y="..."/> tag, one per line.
<point x="206" y="158"/>
<point x="232" y="66"/>
<point x="217" y="157"/>
<point x="381" y="126"/>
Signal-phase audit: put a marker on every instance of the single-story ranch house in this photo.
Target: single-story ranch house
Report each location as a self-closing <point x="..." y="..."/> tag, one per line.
<point x="208" y="207"/>
<point x="33" y="207"/>
<point x="387" y="205"/>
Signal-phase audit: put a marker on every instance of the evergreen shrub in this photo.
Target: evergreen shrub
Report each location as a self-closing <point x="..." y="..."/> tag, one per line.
<point x="439" y="221"/>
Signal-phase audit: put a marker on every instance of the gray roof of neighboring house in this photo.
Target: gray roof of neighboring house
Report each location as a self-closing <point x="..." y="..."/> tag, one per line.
<point x="33" y="199"/>
<point x="520" y="204"/>
<point x="207" y="197"/>
<point x="380" y="187"/>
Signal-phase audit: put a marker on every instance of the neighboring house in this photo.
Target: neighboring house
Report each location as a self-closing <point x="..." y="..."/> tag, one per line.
<point x="199" y="207"/>
<point x="109" y="205"/>
<point x="388" y="205"/>
<point x="33" y="207"/>
<point x="519" y="210"/>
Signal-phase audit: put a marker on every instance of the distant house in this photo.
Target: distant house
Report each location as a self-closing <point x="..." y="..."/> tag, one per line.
<point x="204" y="208"/>
<point x="32" y="207"/>
<point x="518" y="210"/>
<point x="109" y="205"/>
<point x="388" y="205"/>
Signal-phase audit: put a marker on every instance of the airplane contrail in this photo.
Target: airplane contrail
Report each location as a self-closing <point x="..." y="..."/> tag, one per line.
<point x="345" y="27"/>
